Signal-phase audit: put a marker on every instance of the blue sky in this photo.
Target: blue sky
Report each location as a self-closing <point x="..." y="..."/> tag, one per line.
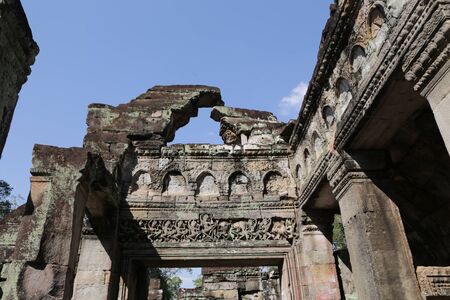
<point x="260" y="53"/>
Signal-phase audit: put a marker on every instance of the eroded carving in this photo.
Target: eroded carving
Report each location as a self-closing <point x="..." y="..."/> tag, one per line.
<point x="318" y="147"/>
<point x="275" y="184"/>
<point x="357" y="58"/>
<point x="238" y="184"/>
<point x="207" y="186"/>
<point x="376" y="20"/>
<point x="328" y="116"/>
<point x="174" y="184"/>
<point x="208" y="229"/>
<point x="344" y="94"/>
<point x="141" y="183"/>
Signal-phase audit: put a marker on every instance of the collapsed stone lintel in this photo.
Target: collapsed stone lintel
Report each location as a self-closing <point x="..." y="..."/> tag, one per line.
<point x="245" y="126"/>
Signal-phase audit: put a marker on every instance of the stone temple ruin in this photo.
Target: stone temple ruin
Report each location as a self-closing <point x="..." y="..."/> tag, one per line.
<point x="231" y="283"/>
<point x="371" y="144"/>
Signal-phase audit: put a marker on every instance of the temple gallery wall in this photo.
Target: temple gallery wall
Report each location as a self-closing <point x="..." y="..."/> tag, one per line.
<point x="349" y="201"/>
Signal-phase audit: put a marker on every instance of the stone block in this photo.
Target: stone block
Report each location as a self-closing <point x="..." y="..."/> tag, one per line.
<point x="434" y="282"/>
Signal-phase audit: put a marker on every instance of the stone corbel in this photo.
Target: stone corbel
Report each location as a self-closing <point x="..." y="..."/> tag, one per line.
<point x="357" y="165"/>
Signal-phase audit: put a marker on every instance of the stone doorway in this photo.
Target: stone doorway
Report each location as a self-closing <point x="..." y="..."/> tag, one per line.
<point x="226" y="283"/>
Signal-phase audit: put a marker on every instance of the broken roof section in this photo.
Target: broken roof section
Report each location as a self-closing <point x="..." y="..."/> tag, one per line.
<point x="153" y="116"/>
<point x="152" y="119"/>
<point x="244" y="126"/>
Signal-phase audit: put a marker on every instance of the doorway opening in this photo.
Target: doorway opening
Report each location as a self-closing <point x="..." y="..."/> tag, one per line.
<point x="206" y="282"/>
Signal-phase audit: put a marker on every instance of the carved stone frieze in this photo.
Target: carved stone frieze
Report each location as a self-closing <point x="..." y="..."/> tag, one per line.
<point x="208" y="229"/>
<point x="423" y="68"/>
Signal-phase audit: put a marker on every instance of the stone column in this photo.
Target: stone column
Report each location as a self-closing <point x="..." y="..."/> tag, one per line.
<point x="134" y="281"/>
<point x="286" y="290"/>
<point x="379" y="252"/>
<point x="438" y="96"/>
<point x="290" y="279"/>
<point x="93" y="274"/>
<point x="317" y="265"/>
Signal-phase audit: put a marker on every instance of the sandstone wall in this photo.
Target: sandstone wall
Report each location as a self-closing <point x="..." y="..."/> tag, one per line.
<point x="17" y="53"/>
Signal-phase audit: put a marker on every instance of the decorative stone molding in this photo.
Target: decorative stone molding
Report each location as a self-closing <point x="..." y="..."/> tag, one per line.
<point x="434" y="281"/>
<point x="214" y="151"/>
<point x="430" y="50"/>
<point x="314" y="180"/>
<point x="191" y="206"/>
<point x="333" y="42"/>
<point x="344" y="168"/>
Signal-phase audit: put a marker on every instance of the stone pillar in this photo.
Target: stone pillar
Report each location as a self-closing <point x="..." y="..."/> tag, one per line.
<point x="317" y="264"/>
<point x="289" y="277"/>
<point x="154" y="289"/>
<point x="379" y="252"/>
<point x="94" y="269"/>
<point x="286" y="291"/>
<point x="134" y="281"/>
<point x="438" y="96"/>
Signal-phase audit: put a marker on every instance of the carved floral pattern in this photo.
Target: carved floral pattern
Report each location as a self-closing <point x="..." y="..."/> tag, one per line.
<point x="208" y="229"/>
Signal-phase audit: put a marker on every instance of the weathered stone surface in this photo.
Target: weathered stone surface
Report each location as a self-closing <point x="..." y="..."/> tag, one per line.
<point x="153" y="117"/>
<point x="244" y="126"/>
<point x="9" y="226"/>
<point x="17" y="53"/>
<point x="369" y="144"/>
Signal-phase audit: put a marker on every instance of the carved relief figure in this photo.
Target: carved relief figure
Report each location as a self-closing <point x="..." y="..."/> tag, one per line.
<point x="357" y="58"/>
<point x="317" y="141"/>
<point x="328" y="116"/>
<point x="207" y="186"/>
<point x="238" y="184"/>
<point x="299" y="171"/>
<point x="141" y="184"/>
<point x="376" y="19"/>
<point x="207" y="229"/>
<point x="194" y="230"/>
<point x="174" y="184"/>
<point x="275" y="184"/>
<point x="344" y="94"/>
<point x="264" y="229"/>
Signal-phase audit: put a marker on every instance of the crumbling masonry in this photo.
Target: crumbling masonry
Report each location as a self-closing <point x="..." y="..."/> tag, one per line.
<point x="17" y="52"/>
<point x="371" y="144"/>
